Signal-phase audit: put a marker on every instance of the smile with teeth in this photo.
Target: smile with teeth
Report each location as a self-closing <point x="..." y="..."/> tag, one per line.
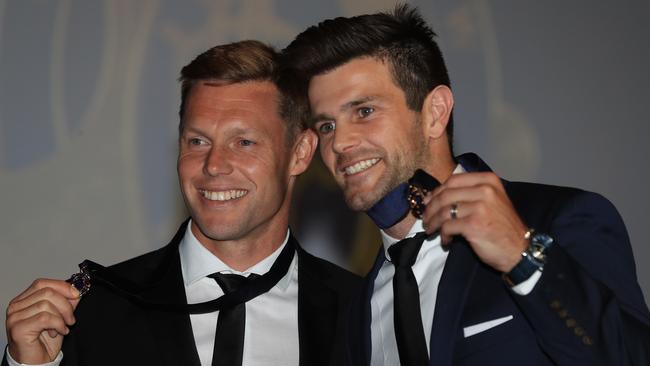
<point x="223" y="195"/>
<point x="360" y="166"/>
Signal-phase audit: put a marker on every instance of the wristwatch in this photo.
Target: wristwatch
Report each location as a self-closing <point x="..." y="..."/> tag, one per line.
<point x="532" y="259"/>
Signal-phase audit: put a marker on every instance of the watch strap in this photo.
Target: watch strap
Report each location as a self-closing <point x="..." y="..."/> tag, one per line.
<point x="523" y="270"/>
<point x="532" y="259"/>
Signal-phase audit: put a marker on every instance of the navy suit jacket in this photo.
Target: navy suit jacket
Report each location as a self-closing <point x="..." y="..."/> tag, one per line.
<point x="113" y="331"/>
<point x="586" y="309"/>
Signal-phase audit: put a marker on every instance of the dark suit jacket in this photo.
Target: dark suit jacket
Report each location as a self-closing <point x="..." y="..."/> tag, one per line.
<point x="112" y="331"/>
<point x="586" y="309"/>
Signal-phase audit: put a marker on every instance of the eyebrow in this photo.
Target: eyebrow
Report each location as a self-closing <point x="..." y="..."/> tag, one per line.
<point x="187" y="129"/>
<point x="344" y="108"/>
<point x="230" y="132"/>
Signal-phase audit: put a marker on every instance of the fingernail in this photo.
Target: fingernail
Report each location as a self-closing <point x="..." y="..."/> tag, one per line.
<point x="75" y="293"/>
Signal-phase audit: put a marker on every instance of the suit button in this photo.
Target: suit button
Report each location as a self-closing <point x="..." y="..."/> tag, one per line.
<point x="579" y="331"/>
<point x="556" y="304"/>
<point x="571" y="322"/>
<point x="563" y="313"/>
<point x="587" y="340"/>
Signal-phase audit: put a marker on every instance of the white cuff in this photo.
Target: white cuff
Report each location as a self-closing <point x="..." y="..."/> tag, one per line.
<point x="527" y="286"/>
<point x="13" y="362"/>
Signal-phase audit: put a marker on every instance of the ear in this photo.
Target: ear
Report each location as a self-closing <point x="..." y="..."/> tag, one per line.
<point x="436" y="111"/>
<point x="303" y="151"/>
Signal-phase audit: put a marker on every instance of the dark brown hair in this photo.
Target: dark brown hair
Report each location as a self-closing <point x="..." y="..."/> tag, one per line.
<point x="402" y="38"/>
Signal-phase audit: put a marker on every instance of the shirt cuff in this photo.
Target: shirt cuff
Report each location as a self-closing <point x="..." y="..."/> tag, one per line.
<point x="12" y="362"/>
<point x="527" y="286"/>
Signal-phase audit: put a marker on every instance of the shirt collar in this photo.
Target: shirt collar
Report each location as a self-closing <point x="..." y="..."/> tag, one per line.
<point x="198" y="262"/>
<point x="417" y="227"/>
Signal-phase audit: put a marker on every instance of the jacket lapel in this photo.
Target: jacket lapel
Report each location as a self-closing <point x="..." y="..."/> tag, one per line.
<point x="171" y="331"/>
<point x="366" y="312"/>
<point x="457" y="275"/>
<point x="454" y="285"/>
<point x="317" y="312"/>
<point x="472" y="163"/>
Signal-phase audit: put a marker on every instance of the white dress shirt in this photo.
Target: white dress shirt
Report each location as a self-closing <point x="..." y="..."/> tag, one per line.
<point x="271" y="332"/>
<point x="427" y="269"/>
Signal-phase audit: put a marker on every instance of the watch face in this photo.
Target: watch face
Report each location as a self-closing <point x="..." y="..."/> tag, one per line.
<point x="538" y="252"/>
<point x="543" y="240"/>
<point x="539" y="243"/>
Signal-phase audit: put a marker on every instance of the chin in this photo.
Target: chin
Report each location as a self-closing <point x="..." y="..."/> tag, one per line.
<point x="361" y="201"/>
<point x="217" y="231"/>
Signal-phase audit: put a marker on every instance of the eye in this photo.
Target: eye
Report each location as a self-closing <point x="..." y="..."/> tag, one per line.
<point x="365" y="111"/>
<point x="325" y="128"/>
<point x="245" y="142"/>
<point x="195" y="141"/>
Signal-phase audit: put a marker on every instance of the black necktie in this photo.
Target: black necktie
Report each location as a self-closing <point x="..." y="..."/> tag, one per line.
<point x="407" y="316"/>
<point x="229" y="337"/>
<point x="96" y="274"/>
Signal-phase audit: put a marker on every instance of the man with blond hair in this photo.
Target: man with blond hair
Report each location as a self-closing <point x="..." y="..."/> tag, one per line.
<point x="238" y="161"/>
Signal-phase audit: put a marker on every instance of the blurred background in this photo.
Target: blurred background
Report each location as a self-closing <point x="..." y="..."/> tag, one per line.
<point x="555" y="92"/>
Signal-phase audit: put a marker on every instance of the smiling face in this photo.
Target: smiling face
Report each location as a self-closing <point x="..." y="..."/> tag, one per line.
<point x="234" y="163"/>
<point x="369" y="139"/>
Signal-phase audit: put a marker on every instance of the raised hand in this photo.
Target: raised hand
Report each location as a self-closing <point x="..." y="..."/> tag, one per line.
<point x="476" y="206"/>
<point x="38" y="319"/>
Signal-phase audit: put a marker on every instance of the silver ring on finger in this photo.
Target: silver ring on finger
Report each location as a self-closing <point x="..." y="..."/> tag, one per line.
<point x="453" y="211"/>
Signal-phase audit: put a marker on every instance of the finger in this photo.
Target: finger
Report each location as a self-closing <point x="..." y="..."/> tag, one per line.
<point x="433" y="193"/>
<point x="451" y="228"/>
<point x="29" y="329"/>
<point x="468" y="180"/>
<point x="473" y="179"/>
<point x="454" y="195"/>
<point x="63" y="287"/>
<point x="434" y="217"/>
<point x="42" y="306"/>
<point x="48" y="295"/>
<point x="74" y="304"/>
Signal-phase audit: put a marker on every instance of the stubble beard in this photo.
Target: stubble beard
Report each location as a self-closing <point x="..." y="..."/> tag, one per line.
<point x="399" y="169"/>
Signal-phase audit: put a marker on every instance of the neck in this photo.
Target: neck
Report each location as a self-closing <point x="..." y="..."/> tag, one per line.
<point x="242" y="250"/>
<point x="241" y="254"/>
<point x="399" y="230"/>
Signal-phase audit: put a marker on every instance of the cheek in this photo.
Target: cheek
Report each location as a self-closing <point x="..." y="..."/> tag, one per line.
<point x="327" y="155"/>
<point x="187" y="166"/>
<point x="259" y="170"/>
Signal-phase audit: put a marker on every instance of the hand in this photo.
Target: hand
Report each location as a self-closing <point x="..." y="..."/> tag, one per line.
<point x="485" y="218"/>
<point x="38" y="319"/>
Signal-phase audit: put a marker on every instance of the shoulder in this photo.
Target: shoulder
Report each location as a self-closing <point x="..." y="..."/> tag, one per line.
<point x="330" y="274"/>
<point x="543" y="199"/>
<point x="549" y="203"/>
<point x="148" y="267"/>
<point x="538" y="193"/>
<point x="144" y="267"/>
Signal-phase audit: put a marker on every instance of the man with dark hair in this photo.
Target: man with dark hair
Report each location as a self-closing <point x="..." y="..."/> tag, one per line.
<point x="256" y="297"/>
<point x="459" y="281"/>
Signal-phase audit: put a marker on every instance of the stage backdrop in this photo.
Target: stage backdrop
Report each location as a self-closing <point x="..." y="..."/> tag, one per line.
<point x="554" y="91"/>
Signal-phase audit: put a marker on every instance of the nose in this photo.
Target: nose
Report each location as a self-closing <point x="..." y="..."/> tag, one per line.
<point x="218" y="162"/>
<point x="345" y="138"/>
